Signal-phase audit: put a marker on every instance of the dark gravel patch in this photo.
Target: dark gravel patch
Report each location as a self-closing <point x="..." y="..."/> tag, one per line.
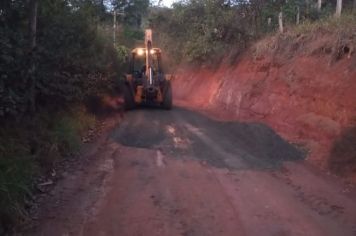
<point x="217" y="143"/>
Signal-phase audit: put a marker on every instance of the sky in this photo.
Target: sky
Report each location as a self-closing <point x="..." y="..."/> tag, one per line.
<point x="167" y="3"/>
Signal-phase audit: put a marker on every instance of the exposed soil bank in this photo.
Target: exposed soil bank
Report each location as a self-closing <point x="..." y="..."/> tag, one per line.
<point x="308" y="96"/>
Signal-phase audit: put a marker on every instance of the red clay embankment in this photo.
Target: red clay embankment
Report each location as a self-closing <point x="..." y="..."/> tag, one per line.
<point x="303" y="88"/>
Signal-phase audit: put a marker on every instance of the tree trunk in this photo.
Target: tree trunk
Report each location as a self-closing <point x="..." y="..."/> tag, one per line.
<point x="114" y="28"/>
<point x="307" y="6"/>
<point x="269" y="20"/>
<point x="32" y="23"/>
<point x="280" y="22"/>
<point x="338" y="8"/>
<point x="256" y="23"/>
<point x="298" y="16"/>
<point x="32" y="28"/>
<point x="319" y="5"/>
<point x="354" y="6"/>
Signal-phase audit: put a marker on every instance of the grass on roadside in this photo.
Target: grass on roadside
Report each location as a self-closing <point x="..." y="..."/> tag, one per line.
<point x="346" y="23"/>
<point x="31" y="147"/>
<point x="331" y="37"/>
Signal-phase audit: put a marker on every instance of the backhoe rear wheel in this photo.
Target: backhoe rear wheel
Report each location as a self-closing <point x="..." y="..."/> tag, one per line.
<point x="167" y="96"/>
<point x="129" y="100"/>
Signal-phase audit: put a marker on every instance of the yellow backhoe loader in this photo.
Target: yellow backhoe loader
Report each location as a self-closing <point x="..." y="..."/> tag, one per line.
<point x="146" y="83"/>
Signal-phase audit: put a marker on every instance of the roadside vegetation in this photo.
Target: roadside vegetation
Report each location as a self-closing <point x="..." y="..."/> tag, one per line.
<point x="56" y="58"/>
<point x="206" y="31"/>
<point x="32" y="148"/>
<point x="331" y="37"/>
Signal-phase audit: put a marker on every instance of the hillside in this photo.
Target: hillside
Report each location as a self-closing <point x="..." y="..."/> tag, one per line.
<point x="301" y="83"/>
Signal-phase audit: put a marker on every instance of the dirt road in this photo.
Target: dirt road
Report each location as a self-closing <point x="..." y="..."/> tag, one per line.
<point x="180" y="173"/>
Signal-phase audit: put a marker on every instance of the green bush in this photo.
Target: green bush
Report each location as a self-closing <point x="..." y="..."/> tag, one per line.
<point x="74" y="57"/>
<point x="16" y="174"/>
<point x="199" y="31"/>
<point x="66" y="133"/>
<point x="33" y="147"/>
<point x="41" y="88"/>
<point x="17" y="168"/>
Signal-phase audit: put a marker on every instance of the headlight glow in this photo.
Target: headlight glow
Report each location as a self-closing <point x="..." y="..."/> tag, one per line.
<point x="140" y="52"/>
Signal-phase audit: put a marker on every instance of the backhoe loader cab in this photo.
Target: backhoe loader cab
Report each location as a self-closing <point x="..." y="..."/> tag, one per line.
<point x="138" y="61"/>
<point x="146" y="83"/>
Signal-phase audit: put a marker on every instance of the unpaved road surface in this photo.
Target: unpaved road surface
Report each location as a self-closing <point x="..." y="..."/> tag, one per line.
<point x="181" y="173"/>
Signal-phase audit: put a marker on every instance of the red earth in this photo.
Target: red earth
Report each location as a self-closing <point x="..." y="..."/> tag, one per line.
<point x="305" y="98"/>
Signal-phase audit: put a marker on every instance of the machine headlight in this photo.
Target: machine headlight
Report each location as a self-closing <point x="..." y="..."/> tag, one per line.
<point x="140" y="52"/>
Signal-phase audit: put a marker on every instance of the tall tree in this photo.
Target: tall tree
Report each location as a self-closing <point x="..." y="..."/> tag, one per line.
<point x="280" y="22"/>
<point x="319" y="5"/>
<point x="134" y="10"/>
<point x="32" y="25"/>
<point x="338" y="8"/>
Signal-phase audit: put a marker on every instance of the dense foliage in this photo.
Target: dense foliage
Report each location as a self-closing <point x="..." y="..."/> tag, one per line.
<point x="71" y="59"/>
<point x="199" y="30"/>
<point x="207" y="30"/>
<point x="43" y="87"/>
